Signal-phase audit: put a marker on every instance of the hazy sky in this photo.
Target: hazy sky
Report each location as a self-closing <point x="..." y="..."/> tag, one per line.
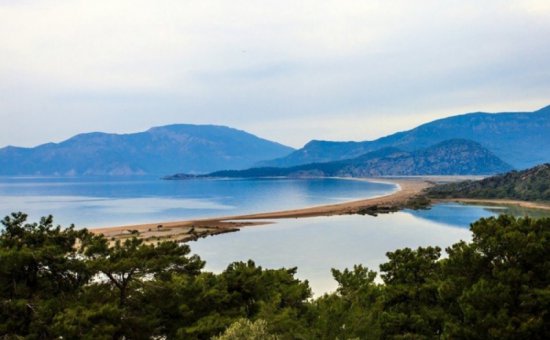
<point x="289" y="71"/>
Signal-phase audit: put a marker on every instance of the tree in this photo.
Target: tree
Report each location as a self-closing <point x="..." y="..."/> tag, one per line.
<point x="353" y="310"/>
<point x="245" y="290"/>
<point x="126" y="273"/>
<point x="70" y="283"/>
<point x="498" y="286"/>
<point x="244" y="329"/>
<point x="410" y="301"/>
<point x="132" y="261"/>
<point x="40" y="270"/>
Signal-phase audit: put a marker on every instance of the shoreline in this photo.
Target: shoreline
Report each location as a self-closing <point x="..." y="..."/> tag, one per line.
<point x="497" y="201"/>
<point x="188" y="230"/>
<point x="407" y="188"/>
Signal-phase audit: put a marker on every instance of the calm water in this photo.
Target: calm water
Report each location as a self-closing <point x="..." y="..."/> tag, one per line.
<point x="314" y="245"/>
<point x="92" y="202"/>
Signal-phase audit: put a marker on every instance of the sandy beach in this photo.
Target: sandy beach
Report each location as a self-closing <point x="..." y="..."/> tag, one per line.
<point x="187" y="230"/>
<point x="500" y="202"/>
<point x="193" y="229"/>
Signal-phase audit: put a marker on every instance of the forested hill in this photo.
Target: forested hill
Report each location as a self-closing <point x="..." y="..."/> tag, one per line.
<point x="157" y="151"/>
<point x="518" y="138"/>
<point x="452" y="157"/>
<point x="529" y="185"/>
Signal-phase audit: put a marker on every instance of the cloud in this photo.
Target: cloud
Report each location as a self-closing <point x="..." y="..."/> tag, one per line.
<point x="267" y="66"/>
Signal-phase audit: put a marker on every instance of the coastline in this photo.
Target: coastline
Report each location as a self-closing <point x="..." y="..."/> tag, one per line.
<point x="407" y="188"/>
<point x="188" y="230"/>
<point x="501" y="202"/>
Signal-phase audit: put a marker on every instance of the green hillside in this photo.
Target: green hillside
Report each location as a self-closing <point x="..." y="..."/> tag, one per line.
<point x="451" y="157"/>
<point x="528" y="185"/>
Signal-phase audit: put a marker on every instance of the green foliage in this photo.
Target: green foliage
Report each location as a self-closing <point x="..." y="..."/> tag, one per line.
<point x="419" y="202"/>
<point x="499" y="285"/>
<point x="39" y="273"/>
<point x="245" y="290"/>
<point x="69" y="283"/>
<point x="89" y="321"/>
<point x="131" y="261"/>
<point x="353" y="310"/>
<point x="527" y="185"/>
<point x="244" y="329"/>
<point x="410" y="303"/>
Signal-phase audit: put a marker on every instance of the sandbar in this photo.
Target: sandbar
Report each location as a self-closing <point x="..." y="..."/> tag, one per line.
<point x="188" y="230"/>
<point x="407" y="188"/>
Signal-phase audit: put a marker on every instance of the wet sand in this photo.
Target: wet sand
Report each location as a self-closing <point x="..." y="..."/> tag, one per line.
<point x="407" y="188"/>
<point x="500" y="202"/>
<point x="194" y="229"/>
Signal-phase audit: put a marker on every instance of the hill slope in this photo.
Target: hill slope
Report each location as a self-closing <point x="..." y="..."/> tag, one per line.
<point x="529" y="185"/>
<point x="158" y="151"/>
<point x="452" y="157"/>
<point x="510" y="136"/>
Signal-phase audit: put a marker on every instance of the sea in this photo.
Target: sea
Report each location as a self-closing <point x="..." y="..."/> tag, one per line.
<point x="314" y="245"/>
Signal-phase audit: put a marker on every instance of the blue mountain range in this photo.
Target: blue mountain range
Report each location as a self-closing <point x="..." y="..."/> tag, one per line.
<point x="451" y="157"/>
<point x="518" y="139"/>
<point x="521" y="139"/>
<point x="157" y="151"/>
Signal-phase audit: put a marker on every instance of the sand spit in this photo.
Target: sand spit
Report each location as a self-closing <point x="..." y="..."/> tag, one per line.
<point x="408" y="188"/>
<point x="189" y="230"/>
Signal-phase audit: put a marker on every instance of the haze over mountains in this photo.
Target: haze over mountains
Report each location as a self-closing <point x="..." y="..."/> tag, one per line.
<point x="521" y="139"/>
<point x="474" y="143"/>
<point x="157" y="151"/>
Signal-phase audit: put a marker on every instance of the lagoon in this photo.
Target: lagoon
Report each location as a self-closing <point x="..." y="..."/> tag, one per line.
<point x="317" y="244"/>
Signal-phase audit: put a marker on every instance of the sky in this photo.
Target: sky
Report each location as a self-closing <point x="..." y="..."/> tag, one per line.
<point x="289" y="71"/>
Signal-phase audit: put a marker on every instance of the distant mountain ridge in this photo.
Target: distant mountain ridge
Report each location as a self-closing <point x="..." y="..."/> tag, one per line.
<point x="520" y="139"/>
<point x="451" y="157"/>
<point x="529" y="185"/>
<point x="157" y="151"/>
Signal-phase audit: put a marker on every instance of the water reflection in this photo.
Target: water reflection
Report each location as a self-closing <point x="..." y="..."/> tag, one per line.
<point x="92" y="202"/>
<point x="315" y="245"/>
<point x="461" y="215"/>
